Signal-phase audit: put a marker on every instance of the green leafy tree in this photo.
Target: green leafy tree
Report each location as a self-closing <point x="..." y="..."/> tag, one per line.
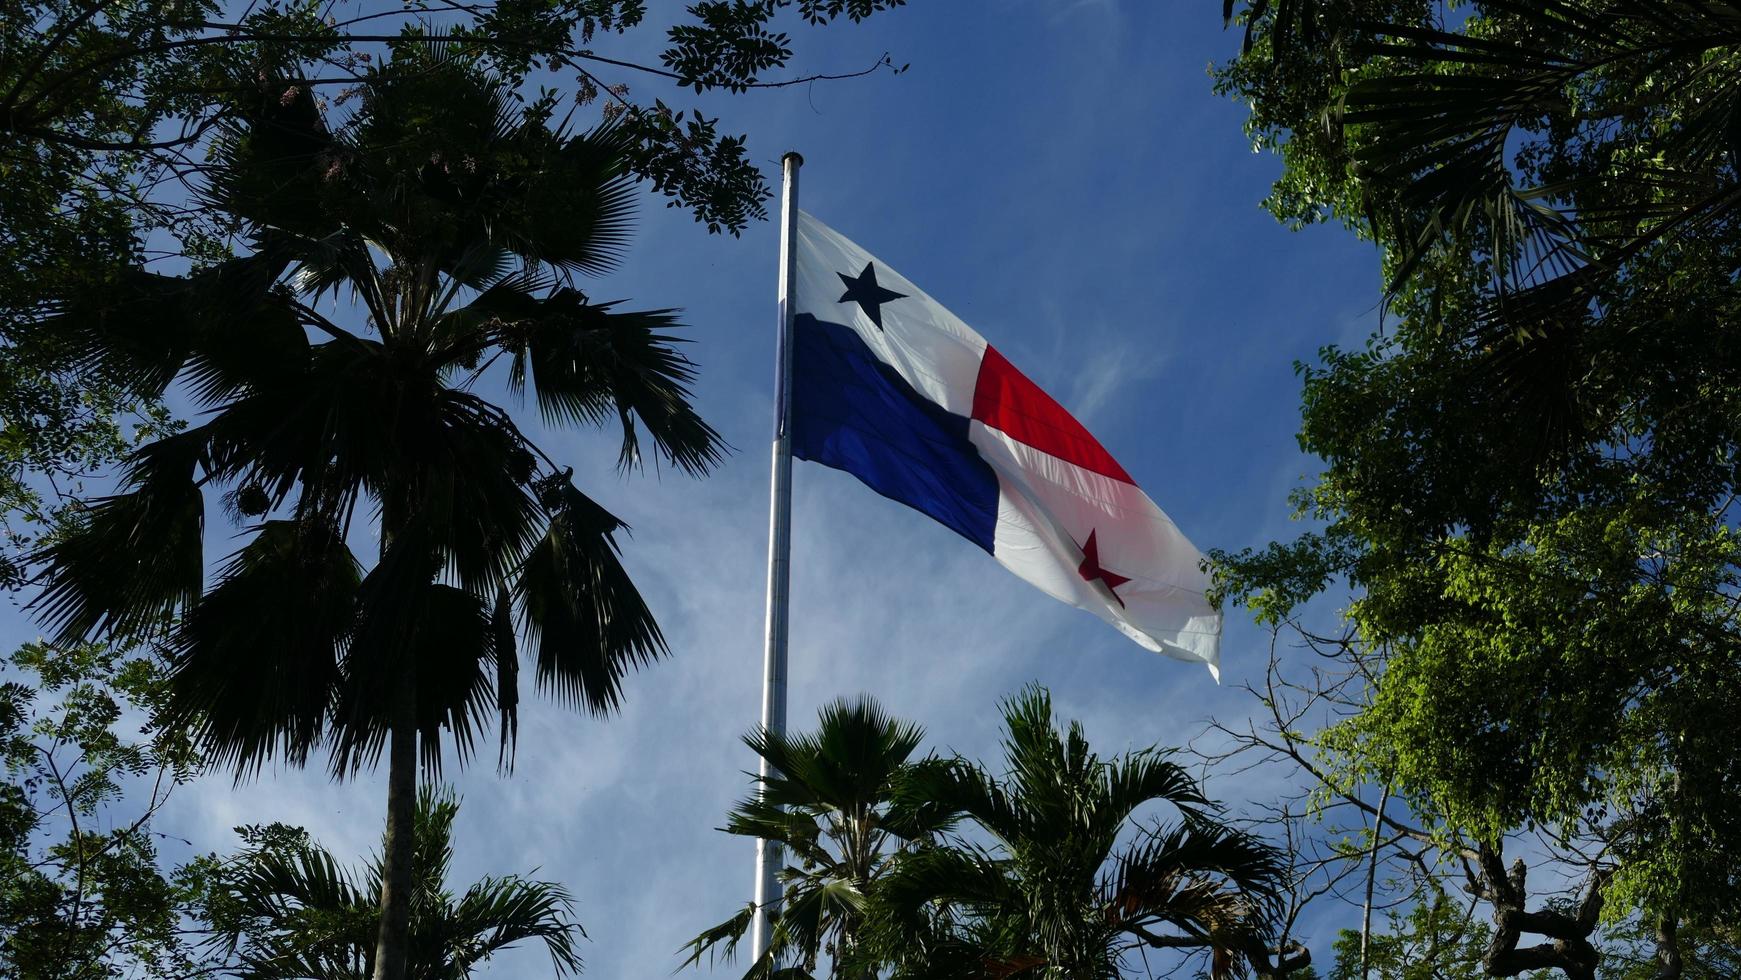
<point x="102" y="106"/>
<point x="1435" y="939"/>
<point x="1637" y="950"/>
<point x="55" y="433"/>
<point x="83" y="894"/>
<point x="287" y="910"/>
<point x="458" y="219"/>
<point x="1529" y="482"/>
<point x="1070" y="882"/>
<point x="99" y="102"/>
<point x="828" y="807"/>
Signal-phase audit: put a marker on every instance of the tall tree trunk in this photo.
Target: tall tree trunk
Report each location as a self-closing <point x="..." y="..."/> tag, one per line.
<point x="392" y="933"/>
<point x="392" y="939"/>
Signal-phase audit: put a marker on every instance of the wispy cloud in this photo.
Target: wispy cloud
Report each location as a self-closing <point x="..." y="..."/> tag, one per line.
<point x="1116" y="364"/>
<point x="1067" y="12"/>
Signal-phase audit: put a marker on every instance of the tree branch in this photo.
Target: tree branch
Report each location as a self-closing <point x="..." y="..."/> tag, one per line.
<point x="1570" y="951"/>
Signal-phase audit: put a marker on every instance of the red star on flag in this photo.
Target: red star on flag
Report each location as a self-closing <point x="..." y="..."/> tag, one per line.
<point x="1090" y="569"/>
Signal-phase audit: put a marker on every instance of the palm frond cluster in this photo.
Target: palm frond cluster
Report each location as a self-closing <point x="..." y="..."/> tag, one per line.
<point x="1549" y="181"/>
<point x="940" y="869"/>
<point x="456" y="218"/>
<point x="287" y="909"/>
<point x="1565" y="137"/>
<point x="1542" y="174"/>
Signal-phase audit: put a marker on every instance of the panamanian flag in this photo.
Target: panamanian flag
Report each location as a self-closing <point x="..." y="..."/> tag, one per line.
<point x="894" y="389"/>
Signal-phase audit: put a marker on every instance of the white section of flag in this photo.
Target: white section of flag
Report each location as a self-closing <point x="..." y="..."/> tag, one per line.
<point x="1046" y="509"/>
<point x="931" y="348"/>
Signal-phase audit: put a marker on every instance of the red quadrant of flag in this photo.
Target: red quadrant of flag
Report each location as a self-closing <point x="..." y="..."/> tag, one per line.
<point x="1004" y="399"/>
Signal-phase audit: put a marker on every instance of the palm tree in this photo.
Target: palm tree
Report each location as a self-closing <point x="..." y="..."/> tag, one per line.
<point x="1069" y="883"/>
<point x="828" y="807"/>
<point x="1442" y="126"/>
<point x="288" y="911"/>
<point x="457" y="220"/>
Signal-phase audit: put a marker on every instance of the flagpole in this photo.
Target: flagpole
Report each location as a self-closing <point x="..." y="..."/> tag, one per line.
<point x="768" y="854"/>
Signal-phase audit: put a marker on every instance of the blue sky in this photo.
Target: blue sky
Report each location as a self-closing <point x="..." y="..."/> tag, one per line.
<point x="1061" y="176"/>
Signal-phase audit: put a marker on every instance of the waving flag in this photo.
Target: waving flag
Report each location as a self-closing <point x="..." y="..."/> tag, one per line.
<point x="894" y="389"/>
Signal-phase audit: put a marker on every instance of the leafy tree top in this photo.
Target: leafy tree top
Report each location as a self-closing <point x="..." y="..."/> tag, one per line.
<point x="1530" y="478"/>
<point x="83" y="775"/>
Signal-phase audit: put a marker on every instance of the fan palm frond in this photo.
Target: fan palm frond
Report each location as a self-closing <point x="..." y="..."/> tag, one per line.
<point x="579" y="607"/>
<point x="1440" y="135"/>
<point x="330" y="435"/>
<point x="263" y="348"/>
<point x="325" y="266"/>
<point x="587" y="363"/>
<point x="477" y="497"/>
<point x="441" y="635"/>
<point x="850" y="760"/>
<point x="134" y="558"/>
<point x="582" y="203"/>
<point x="277" y="163"/>
<point x="493" y="173"/>
<point x="139" y="329"/>
<point x="256" y="660"/>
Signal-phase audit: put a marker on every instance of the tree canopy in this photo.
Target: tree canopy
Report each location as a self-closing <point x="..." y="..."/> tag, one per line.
<point x="183" y="180"/>
<point x="1058" y="869"/>
<point x="107" y="113"/>
<point x="1530" y="472"/>
<point x="83" y="891"/>
<point x="459" y="218"/>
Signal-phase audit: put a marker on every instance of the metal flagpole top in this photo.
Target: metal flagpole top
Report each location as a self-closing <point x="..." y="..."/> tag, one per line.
<point x="768" y="854"/>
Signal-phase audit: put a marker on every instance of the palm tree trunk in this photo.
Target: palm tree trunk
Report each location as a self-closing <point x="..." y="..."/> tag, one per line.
<point x="392" y="937"/>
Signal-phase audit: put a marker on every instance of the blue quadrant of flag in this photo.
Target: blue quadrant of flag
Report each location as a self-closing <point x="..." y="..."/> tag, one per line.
<point x="853" y="412"/>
